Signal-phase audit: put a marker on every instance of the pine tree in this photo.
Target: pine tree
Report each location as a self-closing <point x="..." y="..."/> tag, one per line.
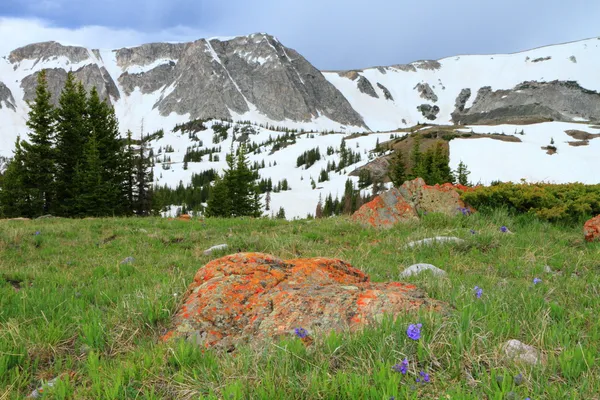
<point x="71" y="135"/>
<point x="398" y="169"/>
<point x="281" y="213"/>
<point x="15" y="198"/>
<point x="268" y="201"/>
<point x="102" y="122"/>
<point x="319" y="210"/>
<point x="462" y="174"/>
<point x="219" y="200"/>
<point x="92" y="199"/>
<point x="39" y="156"/>
<point x="143" y="180"/>
<point x="128" y="172"/>
<point x="416" y="158"/>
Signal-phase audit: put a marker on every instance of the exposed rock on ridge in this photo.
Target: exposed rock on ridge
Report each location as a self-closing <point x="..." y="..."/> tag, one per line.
<point x="557" y="100"/>
<point x="6" y="97"/>
<point x="90" y="75"/>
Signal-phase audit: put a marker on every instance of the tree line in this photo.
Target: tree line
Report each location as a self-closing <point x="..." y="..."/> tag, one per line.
<point x="75" y="164"/>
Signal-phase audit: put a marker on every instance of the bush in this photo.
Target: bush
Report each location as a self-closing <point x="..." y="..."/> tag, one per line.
<point x="571" y="202"/>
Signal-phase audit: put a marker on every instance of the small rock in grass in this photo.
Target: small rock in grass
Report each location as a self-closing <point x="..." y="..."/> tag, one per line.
<point x="128" y="260"/>
<point x="521" y="352"/>
<point x="416" y="269"/>
<point x="435" y="240"/>
<point x="548" y="270"/>
<point x="37" y="393"/>
<point x="208" y="252"/>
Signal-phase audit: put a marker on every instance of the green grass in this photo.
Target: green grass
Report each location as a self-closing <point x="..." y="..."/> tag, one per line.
<point x="68" y="308"/>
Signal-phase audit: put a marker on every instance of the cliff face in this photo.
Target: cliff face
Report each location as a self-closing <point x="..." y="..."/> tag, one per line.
<point x="202" y="79"/>
<point x="557" y="100"/>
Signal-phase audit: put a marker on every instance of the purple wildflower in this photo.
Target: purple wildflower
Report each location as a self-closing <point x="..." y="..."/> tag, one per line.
<point x="536" y="281"/>
<point x="503" y="229"/>
<point x="478" y="291"/>
<point x="473" y="232"/>
<point x="424" y="377"/>
<point x="402" y="367"/>
<point x="301" y="333"/>
<point x="37" y="233"/>
<point x="414" y="331"/>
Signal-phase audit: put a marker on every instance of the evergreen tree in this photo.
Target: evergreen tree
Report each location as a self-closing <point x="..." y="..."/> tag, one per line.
<point x="238" y="187"/>
<point x="462" y="174"/>
<point x="268" y="201"/>
<point x="71" y="135"/>
<point x="416" y="158"/>
<point x="319" y="210"/>
<point x="103" y="124"/>
<point x="143" y="180"/>
<point x="39" y="160"/>
<point x="281" y="213"/>
<point x="128" y="172"/>
<point x="397" y="169"/>
<point x="15" y="198"/>
<point x="92" y="199"/>
<point x="219" y="200"/>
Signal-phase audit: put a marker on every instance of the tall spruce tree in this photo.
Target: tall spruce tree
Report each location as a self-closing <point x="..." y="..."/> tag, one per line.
<point x="15" y="197"/>
<point x="219" y="201"/>
<point x="128" y="173"/>
<point x="92" y="189"/>
<point x="102" y="123"/>
<point x="71" y="136"/>
<point x="241" y="186"/>
<point x="462" y="174"/>
<point x="144" y="178"/>
<point x="39" y="159"/>
<point x="416" y="158"/>
<point x="398" y="169"/>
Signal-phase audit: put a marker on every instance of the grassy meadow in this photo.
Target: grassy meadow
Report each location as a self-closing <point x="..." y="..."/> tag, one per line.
<point x="70" y="309"/>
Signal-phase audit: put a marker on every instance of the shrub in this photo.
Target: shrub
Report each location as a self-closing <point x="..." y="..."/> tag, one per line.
<point x="556" y="203"/>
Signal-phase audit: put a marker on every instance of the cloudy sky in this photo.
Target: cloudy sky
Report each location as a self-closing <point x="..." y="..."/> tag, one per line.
<point x="332" y="34"/>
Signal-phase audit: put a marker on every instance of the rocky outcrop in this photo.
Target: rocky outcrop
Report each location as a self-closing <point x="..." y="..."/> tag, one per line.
<point x="149" y="53"/>
<point x="386" y="92"/>
<point x="461" y="99"/>
<point x="6" y="98"/>
<point x="426" y="92"/>
<point x="591" y="229"/>
<point x="47" y="51"/>
<point x="364" y="85"/>
<point x="90" y="75"/>
<point x="557" y="100"/>
<point x="377" y="168"/>
<point x="430" y="112"/>
<point x="404" y="204"/>
<point x="253" y="297"/>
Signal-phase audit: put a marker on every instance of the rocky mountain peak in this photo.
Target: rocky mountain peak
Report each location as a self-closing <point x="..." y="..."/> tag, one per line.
<point x="49" y="50"/>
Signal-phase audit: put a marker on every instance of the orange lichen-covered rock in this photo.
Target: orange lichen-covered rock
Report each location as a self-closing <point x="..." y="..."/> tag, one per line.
<point x="249" y="297"/>
<point x="386" y="210"/>
<point x="406" y="202"/>
<point x="591" y="229"/>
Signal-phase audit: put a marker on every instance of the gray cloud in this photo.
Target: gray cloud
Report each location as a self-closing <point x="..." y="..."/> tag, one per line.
<point x="335" y="34"/>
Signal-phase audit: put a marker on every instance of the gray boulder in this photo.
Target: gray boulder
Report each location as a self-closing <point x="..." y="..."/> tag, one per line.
<point x="416" y="269"/>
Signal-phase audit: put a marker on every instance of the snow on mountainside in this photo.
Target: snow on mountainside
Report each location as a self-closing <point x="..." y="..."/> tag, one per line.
<point x="256" y="78"/>
<point x="446" y="78"/>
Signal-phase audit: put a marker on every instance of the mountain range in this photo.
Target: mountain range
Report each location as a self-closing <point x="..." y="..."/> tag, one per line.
<point x="542" y="93"/>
